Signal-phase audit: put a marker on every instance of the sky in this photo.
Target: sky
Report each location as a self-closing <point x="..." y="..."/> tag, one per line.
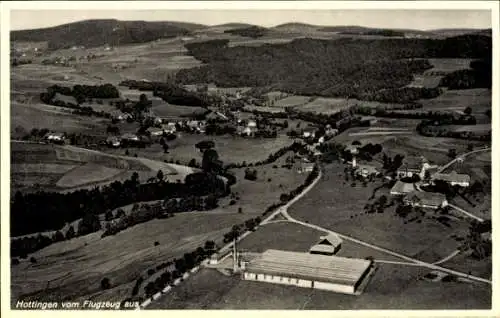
<point x="411" y="19"/>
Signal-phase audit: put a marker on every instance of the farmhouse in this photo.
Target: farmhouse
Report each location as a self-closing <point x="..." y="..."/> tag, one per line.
<point x="113" y="141"/>
<point x="169" y="128"/>
<point x="453" y="178"/>
<point x="425" y="199"/>
<point x="328" y="245"/>
<point x="309" y="132"/>
<point x="413" y="166"/>
<point x="55" y="137"/>
<point x="154" y="131"/>
<point x="332" y="273"/>
<point x="130" y="137"/>
<point x="306" y="167"/>
<point x="402" y="188"/>
<point x="366" y="170"/>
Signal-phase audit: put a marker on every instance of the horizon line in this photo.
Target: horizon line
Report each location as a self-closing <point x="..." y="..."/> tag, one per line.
<point x="251" y="24"/>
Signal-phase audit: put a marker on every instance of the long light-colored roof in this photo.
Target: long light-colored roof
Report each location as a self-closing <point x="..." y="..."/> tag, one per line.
<point x="322" y="248"/>
<point x="402" y="187"/>
<point x="427" y="198"/>
<point x="451" y="177"/>
<point x="332" y="269"/>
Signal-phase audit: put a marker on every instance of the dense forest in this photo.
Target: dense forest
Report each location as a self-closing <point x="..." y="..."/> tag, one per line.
<point x="172" y="93"/>
<point x="81" y="92"/>
<point x="251" y="32"/>
<point x="345" y="67"/>
<point x="478" y="76"/>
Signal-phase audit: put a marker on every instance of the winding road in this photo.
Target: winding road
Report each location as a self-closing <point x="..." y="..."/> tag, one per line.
<point x="284" y="211"/>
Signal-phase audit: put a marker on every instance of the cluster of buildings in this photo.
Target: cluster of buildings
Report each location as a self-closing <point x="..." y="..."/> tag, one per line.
<point x="319" y="268"/>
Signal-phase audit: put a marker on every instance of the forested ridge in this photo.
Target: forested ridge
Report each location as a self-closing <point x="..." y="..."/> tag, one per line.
<point x="356" y="68"/>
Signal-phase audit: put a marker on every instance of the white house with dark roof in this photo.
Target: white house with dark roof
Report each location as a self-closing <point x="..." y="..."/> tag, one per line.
<point x="55" y="137"/>
<point x="366" y="170"/>
<point x="413" y="165"/>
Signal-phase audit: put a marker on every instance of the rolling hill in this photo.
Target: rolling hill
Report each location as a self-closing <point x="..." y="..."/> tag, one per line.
<point x="93" y="33"/>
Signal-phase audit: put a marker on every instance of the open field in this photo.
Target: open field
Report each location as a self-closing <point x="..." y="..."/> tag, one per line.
<point x="326" y="106"/>
<point x="427" y="81"/>
<point x="164" y="110"/>
<point x="293" y="100"/>
<point x="479" y="100"/>
<point x="96" y="258"/>
<point x="448" y="65"/>
<point x="340" y="207"/>
<point x="230" y="149"/>
<point x="391" y="287"/>
<point x="281" y="236"/>
<point x="267" y="109"/>
<point x="25" y="117"/>
<point x="70" y="168"/>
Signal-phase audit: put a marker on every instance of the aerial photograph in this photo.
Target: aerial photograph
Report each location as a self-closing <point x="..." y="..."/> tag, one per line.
<point x="250" y="159"/>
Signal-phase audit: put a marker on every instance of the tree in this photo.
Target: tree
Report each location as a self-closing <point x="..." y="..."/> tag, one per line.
<point x="120" y="213"/>
<point x="58" y="237"/>
<point x="89" y="223"/>
<point x="210" y="162"/>
<point x="470" y="147"/>
<point x="452" y="153"/>
<point x="192" y="163"/>
<point x="33" y="260"/>
<point x="109" y="215"/>
<point x="70" y="233"/>
<point x="468" y="111"/>
<point x="159" y="175"/>
<point x="105" y="283"/>
<point x="165" y="148"/>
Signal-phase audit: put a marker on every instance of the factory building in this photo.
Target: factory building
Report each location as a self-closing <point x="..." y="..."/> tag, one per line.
<point x="332" y="273"/>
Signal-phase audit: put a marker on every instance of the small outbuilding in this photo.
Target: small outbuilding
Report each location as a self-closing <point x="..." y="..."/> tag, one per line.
<point x="328" y="245"/>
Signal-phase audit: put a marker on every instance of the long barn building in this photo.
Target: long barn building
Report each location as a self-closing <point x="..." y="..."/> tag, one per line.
<point x="332" y="273"/>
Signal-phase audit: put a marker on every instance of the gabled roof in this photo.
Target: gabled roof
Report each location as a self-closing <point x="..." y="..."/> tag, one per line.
<point x="426" y="198"/>
<point x="451" y="177"/>
<point x="331" y="239"/>
<point x="402" y="187"/>
<point x="412" y="163"/>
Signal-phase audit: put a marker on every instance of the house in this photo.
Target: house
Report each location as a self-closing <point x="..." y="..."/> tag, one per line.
<point x="55" y="137"/>
<point x="425" y="199"/>
<point x="366" y="170"/>
<point x="413" y="165"/>
<point x="328" y="245"/>
<point x="129" y="137"/>
<point x="169" y="128"/>
<point x="353" y="149"/>
<point x="113" y="141"/>
<point x="370" y="119"/>
<point x="453" y="178"/>
<point x="486" y="236"/>
<point x="402" y="188"/>
<point x="309" y="132"/>
<point x="306" y="167"/>
<point x="154" y="131"/>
